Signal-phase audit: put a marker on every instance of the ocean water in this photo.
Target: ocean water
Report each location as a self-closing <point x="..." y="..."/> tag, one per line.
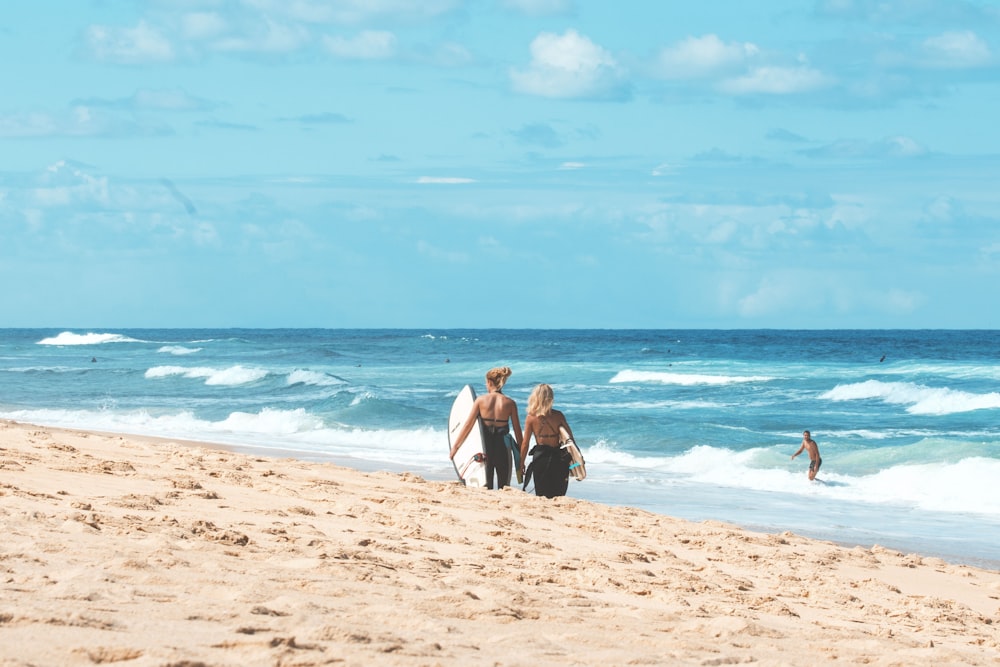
<point x="694" y="424"/>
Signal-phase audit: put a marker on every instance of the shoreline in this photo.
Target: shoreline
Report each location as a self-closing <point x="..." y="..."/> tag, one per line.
<point x="913" y="544"/>
<point x="155" y="551"/>
<point x="921" y="545"/>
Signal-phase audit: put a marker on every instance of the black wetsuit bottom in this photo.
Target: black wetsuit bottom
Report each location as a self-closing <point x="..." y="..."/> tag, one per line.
<point x="550" y="468"/>
<point x="497" y="459"/>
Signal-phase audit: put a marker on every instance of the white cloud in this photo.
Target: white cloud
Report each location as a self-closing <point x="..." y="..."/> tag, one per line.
<point x="362" y="213"/>
<point x="891" y="147"/>
<point x="776" y="80"/>
<point x="80" y="121"/>
<point x="202" y="25"/>
<point x="836" y="6"/>
<point x="493" y="247"/>
<point x="432" y="251"/>
<point x="902" y="302"/>
<point x="310" y="11"/>
<point x="449" y="54"/>
<point x="352" y="11"/>
<point x="204" y="234"/>
<point x="367" y="45"/>
<point x="664" y="169"/>
<point x="900" y="146"/>
<point x="168" y="100"/>
<point x="910" y="12"/>
<point x="944" y="209"/>
<point x="722" y="232"/>
<point x="991" y="250"/>
<point x="771" y="296"/>
<point x="538" y="7"/>
<point x="444" y="180"/>
<point x="63" y="184"/>
<point x="811" y="293"/>
<point x="568" y="166"/>
<point x="697" y="57"/>
<point x="957" y="49"/>
<point x="28" y="125"/>
<point x="141" y="44"/>
<point x="271" y="37"/>
<point x="570" y="66"/>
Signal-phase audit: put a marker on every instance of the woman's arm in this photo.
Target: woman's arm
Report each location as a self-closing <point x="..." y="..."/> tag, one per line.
<point x="516" y="422"/>
<point x="466" y="428"/>
<point x="529" y="429"/>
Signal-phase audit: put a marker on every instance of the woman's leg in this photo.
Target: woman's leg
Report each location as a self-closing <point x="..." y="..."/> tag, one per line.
<point x="499" y="461"/>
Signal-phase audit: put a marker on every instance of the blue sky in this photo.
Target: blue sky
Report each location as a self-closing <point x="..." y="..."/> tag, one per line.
<point x="500" y="163"/>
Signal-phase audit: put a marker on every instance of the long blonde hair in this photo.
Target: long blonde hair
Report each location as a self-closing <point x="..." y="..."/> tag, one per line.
<point x="498" y="376"/>
<point x="540" y="401"/>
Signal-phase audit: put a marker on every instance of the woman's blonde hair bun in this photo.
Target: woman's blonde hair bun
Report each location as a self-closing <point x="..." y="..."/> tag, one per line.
<point x="498" y="376"/>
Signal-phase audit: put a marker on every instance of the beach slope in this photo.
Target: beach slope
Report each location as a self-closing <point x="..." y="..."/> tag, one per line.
<point x="137" y="551"/>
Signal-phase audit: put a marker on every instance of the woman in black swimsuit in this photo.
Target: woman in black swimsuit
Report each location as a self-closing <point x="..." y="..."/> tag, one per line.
<point x="549" y="462"/>
<point x="498" y="413"/>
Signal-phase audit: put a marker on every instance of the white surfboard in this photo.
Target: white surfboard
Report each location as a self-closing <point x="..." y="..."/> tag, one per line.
<point x="577" y="466"/>
<point x="470" y="459"/>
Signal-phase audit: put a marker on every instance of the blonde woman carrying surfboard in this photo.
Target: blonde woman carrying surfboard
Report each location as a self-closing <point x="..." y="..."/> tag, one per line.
<point x="550" y="462"/>
<point x="493" y="411"/>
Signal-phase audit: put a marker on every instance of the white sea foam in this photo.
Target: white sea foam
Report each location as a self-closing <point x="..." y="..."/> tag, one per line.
<point x="70" y="338"/>
<point x="270" y="422"/>
<point x="179" y="350"/>
<point x="966" y="486"/>
<point x="234" y="375"/>
<point x="684" y="379"/>
<point x="282" y="432"/>
<point x="185" y="371"/>
<point x="645" y="405"/>
<point x="921" y="400"/>
<point x="953" y="370"/>
<point x="863" y="433"/>
<point x="362" y="398"/>
<point x="604" y="453"/>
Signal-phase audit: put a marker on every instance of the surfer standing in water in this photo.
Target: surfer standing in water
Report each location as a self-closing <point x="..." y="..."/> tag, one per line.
<point x="549" y="462"/>
<point x="498" y="413"/>
<point x="810" y="446"/>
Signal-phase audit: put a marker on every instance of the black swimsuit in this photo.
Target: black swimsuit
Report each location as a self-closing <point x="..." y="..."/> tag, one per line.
<point x="497" y="460"/>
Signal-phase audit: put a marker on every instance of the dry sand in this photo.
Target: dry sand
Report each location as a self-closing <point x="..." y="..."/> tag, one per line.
<point x="139" y="551"/>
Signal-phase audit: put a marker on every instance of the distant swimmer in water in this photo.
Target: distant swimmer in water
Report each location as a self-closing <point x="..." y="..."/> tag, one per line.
<point x="882" y="359"/>
<point x="809" y="445"/>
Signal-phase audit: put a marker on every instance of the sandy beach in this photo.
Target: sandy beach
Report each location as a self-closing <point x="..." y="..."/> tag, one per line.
<point x="139" y="551"/>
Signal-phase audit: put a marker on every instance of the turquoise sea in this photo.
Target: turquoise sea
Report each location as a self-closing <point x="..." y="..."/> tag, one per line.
<point x="694" y="424"/>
